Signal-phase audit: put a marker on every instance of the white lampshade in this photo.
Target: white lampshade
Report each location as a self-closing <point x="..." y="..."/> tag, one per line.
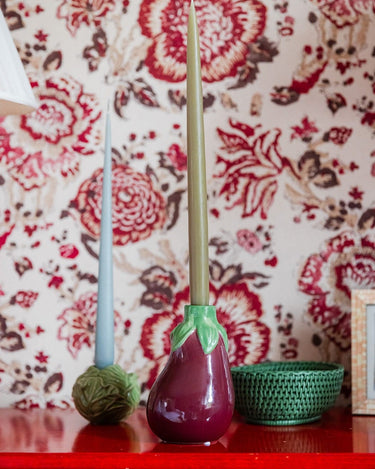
<point x="16" y="96"/>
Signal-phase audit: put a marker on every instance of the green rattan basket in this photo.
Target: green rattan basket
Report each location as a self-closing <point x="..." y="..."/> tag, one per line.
<point x="286" y="393"/>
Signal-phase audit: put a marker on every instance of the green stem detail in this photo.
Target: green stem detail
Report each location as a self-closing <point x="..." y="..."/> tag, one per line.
<point x="202" y="319"/>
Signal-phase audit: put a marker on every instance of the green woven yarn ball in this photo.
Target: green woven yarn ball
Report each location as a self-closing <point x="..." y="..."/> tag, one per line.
<point x="106" y="396"/>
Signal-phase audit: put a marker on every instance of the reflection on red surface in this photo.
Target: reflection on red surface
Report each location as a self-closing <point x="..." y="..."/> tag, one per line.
<point x="364" y="434"/>
<point x="56" y="430"/>
<point x="39" y="438"/>
<point x="113" y="438"/>
<point x="329" y="435"/>
<point x="30" y="431"/>
<point x="177" y="448"/>
<point x="65" y="431"/>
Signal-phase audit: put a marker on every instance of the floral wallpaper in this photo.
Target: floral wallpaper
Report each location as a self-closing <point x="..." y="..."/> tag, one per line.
<point x="289" y="123"/>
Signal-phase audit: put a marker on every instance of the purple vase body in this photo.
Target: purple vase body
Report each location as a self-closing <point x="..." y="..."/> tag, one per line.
<point x="192" y="400"/>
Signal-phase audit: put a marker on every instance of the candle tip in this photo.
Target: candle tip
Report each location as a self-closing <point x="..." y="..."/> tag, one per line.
<point x="108" y="104"/>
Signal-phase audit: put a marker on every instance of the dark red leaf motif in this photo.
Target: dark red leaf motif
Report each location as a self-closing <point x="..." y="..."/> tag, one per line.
<point x="3" y="326"/>
<point x="177" y="97"/>
<point x="325" y="178"/>
<point x="334" y="223"/>
<point x="208" y="100"/>
<point x="86" y="240"/>
<point x="368" y="119"/>
<point x="144" y="93"/>
<point x="157" y="299"/>
<point x="262" y="50"/>
<point x="11" y="341"/>
<point x="86" y="276"/>
<point x="335" y="102"/>
<point x="122" y="96"/>
<point x="19" y="386"/>
<point x="309" y="164"/>
<point x="159" y="283"/>
<point x="173" y="208"/>
<point x="367" y="219"/>
<point x="246" y="74"/>
<point x="53" y="61"/>
<point x="157" y="277"/>
<point x="54" y="383"/>
<point x="284" y="95"/>
<point x="23" y="265"/>
<point x="14" y="20"/>
<point x="100" y="42"/>
<point x="221" y="246"/>
<point x="94" y="52"/>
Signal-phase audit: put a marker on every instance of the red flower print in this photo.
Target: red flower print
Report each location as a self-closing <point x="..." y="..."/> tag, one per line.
<point x="68" y="251"/>
<point x="55" y="281"/>
<point x="344" y="12"/>
<point x="25" y="299"/>
<point x="339" y="135"/>
<point x="177" y="157"/>
<point x="249" y="241"/>
<point x="138" y="209"/>
<point x="226" y="29"/>
<point x="304" y="131"/>
<point x="22" y="265"/>
<point x="356" y="193"/>
<point x="238" y="310"/>
<point x="347" y="262"/>
<point x="41" y="357"/>
<point x="83" y="11"/>
<point x="251" y="171"/>
<point x="78" y="323"/>
<point x="62" y="128"/>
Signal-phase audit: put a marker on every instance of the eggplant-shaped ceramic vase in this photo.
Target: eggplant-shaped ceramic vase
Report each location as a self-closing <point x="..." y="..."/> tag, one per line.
<point x="192" y="400"/>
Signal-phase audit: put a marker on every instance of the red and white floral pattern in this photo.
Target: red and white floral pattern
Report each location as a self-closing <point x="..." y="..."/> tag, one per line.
<point x="347" y="262"/>
<point x="345" y="12"/>
<point x="288" y="93"/>
<point x="78" y="323"/>
<point x="238" y="310"/>
<point x="138" y="208"/>
<point x="61" y="130"/>
<point x="88" y="12"/>
<point x="226" y="27"/>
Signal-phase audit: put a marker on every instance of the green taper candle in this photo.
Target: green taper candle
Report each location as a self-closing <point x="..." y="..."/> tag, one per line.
<point x="197" y="192"/>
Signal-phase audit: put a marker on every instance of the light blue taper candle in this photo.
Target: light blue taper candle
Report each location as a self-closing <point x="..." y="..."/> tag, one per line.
<point x="104" y="337"/>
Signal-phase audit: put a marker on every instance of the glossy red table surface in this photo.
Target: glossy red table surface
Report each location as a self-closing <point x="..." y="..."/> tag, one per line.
<point x="62" y="438"/>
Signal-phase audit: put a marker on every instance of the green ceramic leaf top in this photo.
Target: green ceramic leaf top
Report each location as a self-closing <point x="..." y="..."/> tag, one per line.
<point x="106" y="396"/>
<point x="203" y="320"/>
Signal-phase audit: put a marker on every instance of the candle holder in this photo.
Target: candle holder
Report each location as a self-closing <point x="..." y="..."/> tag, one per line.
<point x="192" y="399"/>
<point x="106" y="396"/>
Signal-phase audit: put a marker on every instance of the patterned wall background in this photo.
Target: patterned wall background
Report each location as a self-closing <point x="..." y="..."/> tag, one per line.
<point x="288" y="94"/>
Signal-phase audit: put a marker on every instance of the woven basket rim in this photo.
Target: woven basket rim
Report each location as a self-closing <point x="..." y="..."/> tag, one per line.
<point x="299" y="367"/>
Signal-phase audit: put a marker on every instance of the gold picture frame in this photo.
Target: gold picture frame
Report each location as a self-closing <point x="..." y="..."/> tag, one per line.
<point x="363" y="352"/>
